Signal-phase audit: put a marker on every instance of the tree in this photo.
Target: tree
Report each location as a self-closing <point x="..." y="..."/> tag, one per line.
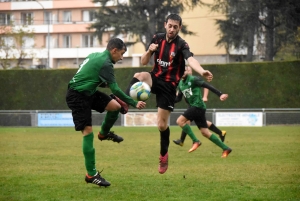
<point x="12" y="45"/>
<point x="234" y="31"/>
<point x="274" y="21"/>
<point x="141" y="19"/>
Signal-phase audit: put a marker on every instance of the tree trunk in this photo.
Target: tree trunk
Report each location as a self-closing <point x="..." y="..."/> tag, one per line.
<point x="250" y="43"/>
<point x="269" y="36"/>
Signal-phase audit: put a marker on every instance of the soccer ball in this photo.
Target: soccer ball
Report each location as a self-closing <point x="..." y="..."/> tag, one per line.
<point x="140" y="91"/>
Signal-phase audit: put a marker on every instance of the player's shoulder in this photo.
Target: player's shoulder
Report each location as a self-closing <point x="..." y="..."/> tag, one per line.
<point x="182" y="44"/>
<point x="159" y="35"/>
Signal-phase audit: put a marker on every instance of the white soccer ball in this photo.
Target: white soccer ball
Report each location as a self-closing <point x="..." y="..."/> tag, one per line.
<point x="140" y="91"/>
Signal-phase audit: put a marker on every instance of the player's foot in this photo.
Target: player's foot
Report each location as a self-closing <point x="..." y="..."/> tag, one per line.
<point x="110" y="136"/>
<point x="222" y="136"/>
<point x="163" y="163"/>
<point x="178" y="142"/>
<point x="226" y="152"/>
<point x="124" y="106"/>
<point x="195" y="146"/>
<point x="97" y="179"/>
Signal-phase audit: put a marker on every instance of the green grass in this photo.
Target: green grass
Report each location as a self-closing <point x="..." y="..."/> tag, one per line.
<point x="46" y="164"/>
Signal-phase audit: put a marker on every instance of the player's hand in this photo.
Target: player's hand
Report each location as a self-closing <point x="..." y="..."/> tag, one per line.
<point x="153" y="47"/>
<point x="141" y="105"/>
<point x="205" y="99"/>
<point x="208" y="75"/>
<point x="223" y="97"/>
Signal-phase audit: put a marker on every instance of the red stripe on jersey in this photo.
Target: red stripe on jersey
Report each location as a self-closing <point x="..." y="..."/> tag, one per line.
<point x="170" y="68"/>
<point x="160" y="57"/>
<point x="178" y="69"/>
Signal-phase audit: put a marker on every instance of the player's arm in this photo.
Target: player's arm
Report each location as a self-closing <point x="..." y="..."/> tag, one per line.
<point x="179" y="96"/>
<point x="205" y="94"/>
<point x="194" y="64"/>
<point x="120" y="94"/>
<point x="147" y="55"/>
<point x="199" y="82"/>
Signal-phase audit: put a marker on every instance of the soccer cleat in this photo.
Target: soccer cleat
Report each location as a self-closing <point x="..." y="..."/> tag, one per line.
<point x="226" y="152"/>
<point x="124" y="106"/>
<point x="222" y="136"/>
<point x="97" y="179"/>
<point x="163" y="163"/>
<point x="195" y="146"/>
<point x="110" y="136"/>
<point x="178" y="142"/>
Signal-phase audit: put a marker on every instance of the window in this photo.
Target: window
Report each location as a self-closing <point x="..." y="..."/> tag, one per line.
<point x="67" y="16"/>
<point x="67" y="41"/>
<point x="88" y="41"/>
<point x="26" y="18"/>
<point x="28" y="42"/>
<point x="88" y="15"/>
<point x="8" y="42"/>
<point x="47" y="18"/>
<point x="5" y="19"/>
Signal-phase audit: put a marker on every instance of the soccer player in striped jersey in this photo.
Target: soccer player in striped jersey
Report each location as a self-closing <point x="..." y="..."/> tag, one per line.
<point x="169" y="51"/>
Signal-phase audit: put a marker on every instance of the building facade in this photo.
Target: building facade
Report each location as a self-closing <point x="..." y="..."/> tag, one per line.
<point x="62" y="38"/>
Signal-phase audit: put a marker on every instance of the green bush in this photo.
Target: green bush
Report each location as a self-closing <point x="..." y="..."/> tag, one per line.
<point x="249" y="85"/>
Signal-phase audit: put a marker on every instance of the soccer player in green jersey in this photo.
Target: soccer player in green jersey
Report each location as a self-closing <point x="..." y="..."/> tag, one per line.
<point x="83" y="97"/>
<point x="210" y="125"/>
<point x="190" y="87"/>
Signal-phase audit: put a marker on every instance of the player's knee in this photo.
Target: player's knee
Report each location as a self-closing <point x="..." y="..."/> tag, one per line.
<point x="113" y="106"/>
<point x="137" y="75"/>
<point x="179" y="122"/>
<point x="162" y="126"/>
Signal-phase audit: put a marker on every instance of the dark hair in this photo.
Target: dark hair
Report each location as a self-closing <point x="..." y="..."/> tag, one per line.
<point x="116" y="43"/>
<point x="174" y="17"/>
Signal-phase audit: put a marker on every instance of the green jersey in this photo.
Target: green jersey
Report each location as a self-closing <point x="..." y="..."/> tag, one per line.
<point x="191" y="89"/>
<point x="98" y="70"/>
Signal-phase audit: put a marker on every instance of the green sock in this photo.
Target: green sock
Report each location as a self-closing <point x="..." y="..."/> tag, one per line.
<point x="217" y="141"/>
<point x="187" y="129"/>
<point x="89" y="153"/>
<point x="109" y="120"/>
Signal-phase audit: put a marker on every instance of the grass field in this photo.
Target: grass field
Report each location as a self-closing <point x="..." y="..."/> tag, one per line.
<point x="46" y="164"/>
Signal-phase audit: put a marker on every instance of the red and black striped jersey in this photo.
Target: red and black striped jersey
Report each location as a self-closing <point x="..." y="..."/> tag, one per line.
<point x="169" y="58"/>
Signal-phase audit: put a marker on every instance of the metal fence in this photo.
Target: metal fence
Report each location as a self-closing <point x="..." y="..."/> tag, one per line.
<point x="271" y="116"/>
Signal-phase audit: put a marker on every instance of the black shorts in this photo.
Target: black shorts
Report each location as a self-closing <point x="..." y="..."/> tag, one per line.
<point x="197" y="115"/>
<point x="82" y="106"/>
<point x="165" y="93"/>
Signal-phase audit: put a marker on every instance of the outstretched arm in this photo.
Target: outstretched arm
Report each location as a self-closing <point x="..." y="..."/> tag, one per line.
<point x="127" y="99"/>
<point x="222" y="96"/>
<point x="194" y="64"/>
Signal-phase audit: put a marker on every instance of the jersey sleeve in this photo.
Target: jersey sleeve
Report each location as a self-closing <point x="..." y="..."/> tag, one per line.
<point x="118" y="92"/>
<point x="198" y="81"/>
<point x="186" y="50"/>
<point x="201" y="83"/>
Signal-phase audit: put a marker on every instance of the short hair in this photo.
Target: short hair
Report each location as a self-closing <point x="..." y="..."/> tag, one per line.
<point x="174" y="17"/>
<point x="116" y="43"/>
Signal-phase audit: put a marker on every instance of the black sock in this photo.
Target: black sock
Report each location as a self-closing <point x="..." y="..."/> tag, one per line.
<point x="134" y="80"/>
<point x="182" y="137"/>
<point x="164" y="141"/>
<point x="215" y="129"/>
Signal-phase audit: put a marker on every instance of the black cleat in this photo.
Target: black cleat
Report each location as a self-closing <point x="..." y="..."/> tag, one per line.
<point x="110" y="136"/>
<point x="124" y="106"/>
<point x="178" y="142"/>
<point x="97" y="179"/>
